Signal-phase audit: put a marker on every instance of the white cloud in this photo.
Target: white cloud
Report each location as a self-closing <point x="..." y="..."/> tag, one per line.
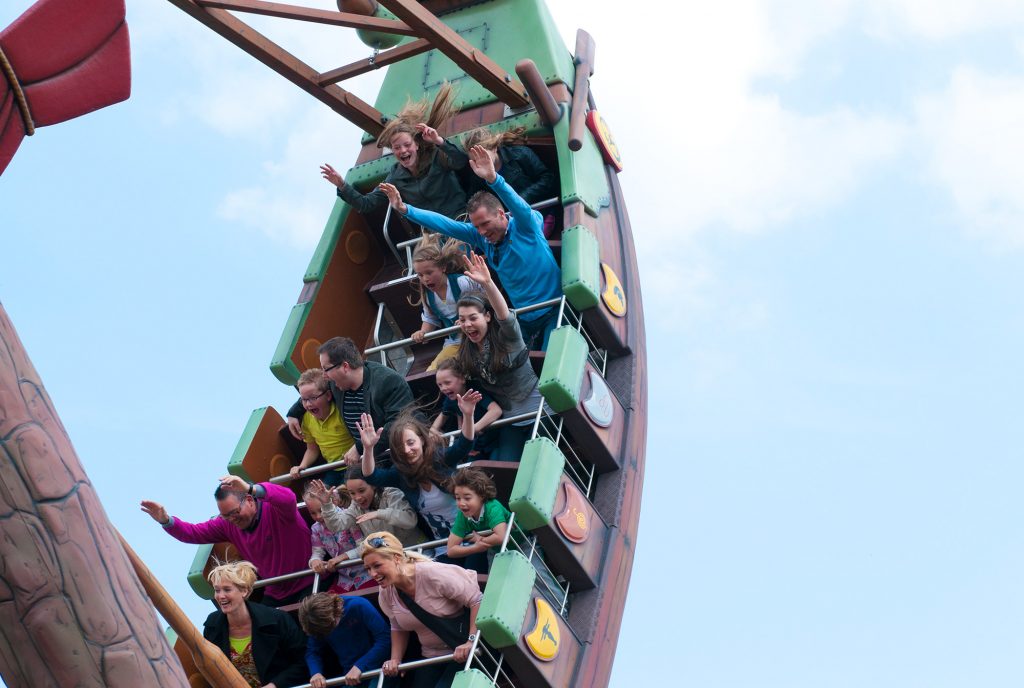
<point x="940" y="19"/>
<point x="975" y="148"/>
<point x="288" y="201"/>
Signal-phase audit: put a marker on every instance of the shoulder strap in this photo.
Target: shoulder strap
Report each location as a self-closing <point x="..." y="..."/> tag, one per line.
<point x="453" y="284"/>
<point x="453" y="632"/>
<point x="432" y="304"/>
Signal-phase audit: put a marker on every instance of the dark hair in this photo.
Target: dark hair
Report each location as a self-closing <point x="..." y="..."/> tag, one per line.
<point x="467" y="358"/>
<point x="476" y="480"/>
<point x="356" y="473"/>
<point x="342" y="350"/>
<point x="222" y="493"/>
<point x="318" y="613"/>
<point x="425" y="470"/>
<point x="452" y="364"/>
<point x="484" y="199"/>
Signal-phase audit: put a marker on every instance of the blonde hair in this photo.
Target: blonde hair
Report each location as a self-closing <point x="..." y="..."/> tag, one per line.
<point x="241" y="574"/>
<point x="493" y="141"/>
<point x="435" y="115"/>
<point x="446" y="255"/>
<point x="313" y="376"/>
<point x="389" y="546"/>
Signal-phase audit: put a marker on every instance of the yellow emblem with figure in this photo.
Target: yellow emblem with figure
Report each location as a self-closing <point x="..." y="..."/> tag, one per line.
<point x="545" y="638"/>
<point x="613" y="295"/>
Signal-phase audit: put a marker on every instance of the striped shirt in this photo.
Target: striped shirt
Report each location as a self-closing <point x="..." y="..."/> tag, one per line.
<point x="352" y="406"/>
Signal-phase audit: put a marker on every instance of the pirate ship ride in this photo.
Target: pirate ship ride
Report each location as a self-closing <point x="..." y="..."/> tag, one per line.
<point x="576" y="491"/>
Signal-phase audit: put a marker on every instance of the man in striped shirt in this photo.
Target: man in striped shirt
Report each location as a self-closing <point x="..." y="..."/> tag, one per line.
<point x="358" y="387"/>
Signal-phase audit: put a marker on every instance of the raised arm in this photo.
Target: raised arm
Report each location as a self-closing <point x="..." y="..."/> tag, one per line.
<point x="477" y="270"/>
<point x="467" y="404"/>
<point x="463" y="231"/>
<point x="369" y="437"/>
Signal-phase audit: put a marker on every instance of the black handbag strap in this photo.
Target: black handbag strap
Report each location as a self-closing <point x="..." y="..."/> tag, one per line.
<point x="453" y="632"/>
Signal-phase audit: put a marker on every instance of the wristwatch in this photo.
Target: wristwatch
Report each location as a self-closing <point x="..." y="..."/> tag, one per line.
<point x="471" y="638"/>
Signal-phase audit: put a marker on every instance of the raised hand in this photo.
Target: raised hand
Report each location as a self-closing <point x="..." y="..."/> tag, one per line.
<point x="394" y="197"/>
<point x="476" y="268"/>
<point x="468" y="401"/>
<point x="367" y="435"/>
<point x="234" y="483"/>
<point x="482" y="163"/>
<point x="331" y="175"/>
<point x="369" y="515"/>
<point x="318" y="490"/>
<point x="429" y="134"/>
<point x="156" y="511"/>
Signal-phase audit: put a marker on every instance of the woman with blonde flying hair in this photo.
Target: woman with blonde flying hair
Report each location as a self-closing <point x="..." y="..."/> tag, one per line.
<point x="437" y="602"/>
<point x="438" y="266"/>
<point x="263" y="643"/>
<point x="425" y="164"/>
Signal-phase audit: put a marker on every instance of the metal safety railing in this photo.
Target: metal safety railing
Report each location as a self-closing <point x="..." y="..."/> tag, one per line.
<point x="556" y="591"/>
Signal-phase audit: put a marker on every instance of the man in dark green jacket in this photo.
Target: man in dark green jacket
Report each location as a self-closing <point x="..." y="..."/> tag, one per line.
<point x="358" y="387"/>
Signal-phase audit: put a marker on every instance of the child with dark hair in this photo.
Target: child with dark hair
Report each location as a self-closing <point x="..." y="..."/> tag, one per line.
<point x="479" y="510"/>
<point x="451" y="382"/>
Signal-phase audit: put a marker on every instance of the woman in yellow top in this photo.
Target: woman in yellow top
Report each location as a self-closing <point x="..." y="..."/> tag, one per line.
<point x="264" y="644"/>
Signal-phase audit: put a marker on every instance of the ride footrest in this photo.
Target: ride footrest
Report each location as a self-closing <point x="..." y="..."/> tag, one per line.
<point x="515" y="618"/>
<point x="576" y="390"/>
<point x="565" y="523"/>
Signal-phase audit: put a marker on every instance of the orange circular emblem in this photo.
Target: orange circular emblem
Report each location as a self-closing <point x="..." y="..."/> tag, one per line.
<point x="605" y="141"/>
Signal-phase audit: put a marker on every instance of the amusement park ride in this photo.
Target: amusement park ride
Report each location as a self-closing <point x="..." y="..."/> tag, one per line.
<point x="73" y="596"/>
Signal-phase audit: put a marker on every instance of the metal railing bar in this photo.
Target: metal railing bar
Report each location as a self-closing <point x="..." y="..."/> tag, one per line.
<point x="378" y="347"/>
<point x="340" y="680"/>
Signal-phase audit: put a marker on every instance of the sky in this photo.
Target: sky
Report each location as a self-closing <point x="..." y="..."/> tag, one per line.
<point x="828" y="207"/>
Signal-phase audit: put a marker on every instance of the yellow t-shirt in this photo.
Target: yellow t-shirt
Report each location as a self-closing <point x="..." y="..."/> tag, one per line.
<point x="331" y="435"/>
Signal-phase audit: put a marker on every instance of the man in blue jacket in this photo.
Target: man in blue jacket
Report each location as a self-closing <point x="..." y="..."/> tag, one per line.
<point x="513" y="243"/>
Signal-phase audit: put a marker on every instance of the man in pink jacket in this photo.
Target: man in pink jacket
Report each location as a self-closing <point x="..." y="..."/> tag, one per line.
<point x="263" y="524"/>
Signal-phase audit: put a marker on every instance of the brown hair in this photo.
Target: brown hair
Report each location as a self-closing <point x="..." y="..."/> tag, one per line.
<point x="356" y="473"/>
<point x="315" y="377"/>
<point x="339" y="494"/>
<point x="342" y="350"/>
<point x="484" y="199"/>
<point x="414" y="112"/>
<point x="466" y="357"/>
<point x="447" y="255"/>
<point x="425" y="470"/>
<point x="494" y="140"/>
<point x="476" y="480"/>
<point x="319" y="613"/>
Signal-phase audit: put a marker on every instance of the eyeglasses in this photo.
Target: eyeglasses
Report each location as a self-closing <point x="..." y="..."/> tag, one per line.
<point x="331" y="367"/>
<point x="310" y="400"/>
<point x="237" y="511"/>
<point x="377" y="542"/>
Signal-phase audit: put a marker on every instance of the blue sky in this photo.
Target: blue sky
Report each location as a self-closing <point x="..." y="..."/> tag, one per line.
<point x="827" y="203"/>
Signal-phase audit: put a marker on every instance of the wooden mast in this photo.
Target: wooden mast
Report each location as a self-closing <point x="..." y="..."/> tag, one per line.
<point x="72" y="612"/>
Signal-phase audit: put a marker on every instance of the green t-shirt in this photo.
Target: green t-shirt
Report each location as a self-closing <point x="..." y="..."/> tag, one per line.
<point x="331" y="435"/>
<point x="494" y="515"/>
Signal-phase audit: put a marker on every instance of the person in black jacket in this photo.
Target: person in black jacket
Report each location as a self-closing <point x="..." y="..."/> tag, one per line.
<point x="263" y="643"/>
<point x="514" y="161"/>
<point x="358" y="387"/>
<point x="426" y="165"/>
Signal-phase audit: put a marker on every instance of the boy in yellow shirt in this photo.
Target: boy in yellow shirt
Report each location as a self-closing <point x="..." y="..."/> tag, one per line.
<point x="322" y="427"/>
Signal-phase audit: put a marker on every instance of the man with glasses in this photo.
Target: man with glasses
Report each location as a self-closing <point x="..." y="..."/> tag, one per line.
<point x="357" y="387"/>
<point x="513" y="243"/>
<point x="263" y="524"/>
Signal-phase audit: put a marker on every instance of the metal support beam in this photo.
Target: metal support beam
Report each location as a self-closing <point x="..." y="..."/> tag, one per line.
<point x="482" y="68"/>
